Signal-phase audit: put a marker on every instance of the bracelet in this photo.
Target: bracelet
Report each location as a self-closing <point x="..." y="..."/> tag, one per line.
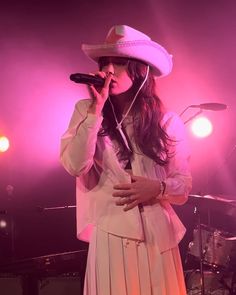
<point x="162" y="189"/>
<point x="164" y="186"/>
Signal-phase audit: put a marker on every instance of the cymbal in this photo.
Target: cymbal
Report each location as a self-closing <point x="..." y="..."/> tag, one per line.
<point x="214" y="203"/>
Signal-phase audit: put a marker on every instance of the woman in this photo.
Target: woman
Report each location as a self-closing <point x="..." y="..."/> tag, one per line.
<point x="130" y="159"/>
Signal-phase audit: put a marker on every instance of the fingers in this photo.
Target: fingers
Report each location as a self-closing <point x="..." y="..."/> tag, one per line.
<point x="123" y="194"/>
<point x="99" y="74"/>
<point x="106" y="76"/>
<point x="100" y="94"/>
<point x="124" y="201"/>
<point x="131" y="205"/>
<point x="122" y="190"/>
<point x="108" y="80"/>
<point x="127" y="202"/>
<point x="124" y="186"/>
<point x="126" y="195"/>
<point x="93" y="91"/>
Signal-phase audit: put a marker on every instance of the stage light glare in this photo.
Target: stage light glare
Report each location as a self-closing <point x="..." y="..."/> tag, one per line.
<point x="4" y="144"/>
<point x="201" y="127"/>
<point x="3" y="223"/>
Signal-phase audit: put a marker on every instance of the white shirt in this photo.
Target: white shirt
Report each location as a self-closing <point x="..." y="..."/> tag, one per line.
<point x="93" y="160"/>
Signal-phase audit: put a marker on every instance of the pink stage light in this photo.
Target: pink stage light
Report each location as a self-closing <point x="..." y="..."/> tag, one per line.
<point x="4" y="144"/>
<point x="201" y="127"/>
<point x="3" y="223"/>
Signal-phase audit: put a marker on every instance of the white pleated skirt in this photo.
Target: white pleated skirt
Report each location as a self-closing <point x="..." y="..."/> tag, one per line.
<point x="120" y="266"/>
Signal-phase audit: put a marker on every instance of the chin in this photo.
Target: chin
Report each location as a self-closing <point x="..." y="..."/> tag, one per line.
<point x="116" y="92"/>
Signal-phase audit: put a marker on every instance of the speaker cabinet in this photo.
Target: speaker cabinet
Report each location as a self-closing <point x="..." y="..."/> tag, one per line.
<point x="10" y="286"/>
<point x="60" y="285"/>
<point x="66" y="284"/>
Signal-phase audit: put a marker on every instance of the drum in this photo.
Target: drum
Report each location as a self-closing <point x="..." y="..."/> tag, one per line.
<point x="216" y="283"/>
<point x="218" y="247"/>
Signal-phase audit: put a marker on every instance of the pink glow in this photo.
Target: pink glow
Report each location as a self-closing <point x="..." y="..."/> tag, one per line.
<point x="44" y="99"/>
<point x="40" y="50"/>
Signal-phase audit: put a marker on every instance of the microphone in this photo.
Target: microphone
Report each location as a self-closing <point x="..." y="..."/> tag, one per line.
<point x="211" y="106"/>
<point x="87" y="79"/>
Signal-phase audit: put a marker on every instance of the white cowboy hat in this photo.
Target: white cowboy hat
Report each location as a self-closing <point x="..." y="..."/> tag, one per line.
<point x="125" y="41"/>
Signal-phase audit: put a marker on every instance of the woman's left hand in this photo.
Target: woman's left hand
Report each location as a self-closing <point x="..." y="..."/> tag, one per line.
<point x="140" y="190"/>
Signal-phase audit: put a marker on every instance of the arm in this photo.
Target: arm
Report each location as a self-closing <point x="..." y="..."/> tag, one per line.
<point x="178" y="181"/>
<point x="78" y="143"/>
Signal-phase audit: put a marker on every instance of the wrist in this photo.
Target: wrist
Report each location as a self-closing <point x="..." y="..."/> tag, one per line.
<point x="95" y="109"/>
<point x="162" y="189"/>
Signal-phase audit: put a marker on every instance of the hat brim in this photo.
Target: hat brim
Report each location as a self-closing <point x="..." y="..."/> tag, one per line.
<point x="146" y="51"/>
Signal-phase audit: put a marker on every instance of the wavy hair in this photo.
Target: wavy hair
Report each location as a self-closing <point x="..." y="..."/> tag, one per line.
<point x="147" y="113"/>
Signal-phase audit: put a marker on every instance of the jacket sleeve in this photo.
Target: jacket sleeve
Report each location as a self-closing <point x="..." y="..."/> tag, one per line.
<point x="78" y="143"/>
<point x="179" y="180"/>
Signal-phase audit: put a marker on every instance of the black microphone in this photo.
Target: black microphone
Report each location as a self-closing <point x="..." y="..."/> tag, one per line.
<point x="211" y="106"/>
<point x="87" y="79"/>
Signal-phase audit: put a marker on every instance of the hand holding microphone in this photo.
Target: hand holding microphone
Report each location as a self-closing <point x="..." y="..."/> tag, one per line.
<point x="99" y="88"/>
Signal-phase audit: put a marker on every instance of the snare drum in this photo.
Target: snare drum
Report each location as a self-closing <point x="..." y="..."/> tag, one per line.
<point x="217" y="246"/>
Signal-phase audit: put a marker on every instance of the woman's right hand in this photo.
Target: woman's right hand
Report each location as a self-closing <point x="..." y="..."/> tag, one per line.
<point x="99" y="94"/>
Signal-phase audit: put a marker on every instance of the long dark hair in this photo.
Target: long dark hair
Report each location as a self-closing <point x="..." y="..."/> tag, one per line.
<point x="147" y="113"/>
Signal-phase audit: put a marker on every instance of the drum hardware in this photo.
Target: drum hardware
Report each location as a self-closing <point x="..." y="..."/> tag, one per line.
<point x="213" y="240"/>
<point x="218" y="247"/>
<point x="213" y="203"/>
<point x="43" y="209"/>
<point x="201" y="254"/>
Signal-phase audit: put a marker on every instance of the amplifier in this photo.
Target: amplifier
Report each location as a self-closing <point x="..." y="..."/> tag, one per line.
<point x="11" y="286"/>
<point x="61" y="274"/>
<point x="66" y="284"/>
<point x="60" y="285"/>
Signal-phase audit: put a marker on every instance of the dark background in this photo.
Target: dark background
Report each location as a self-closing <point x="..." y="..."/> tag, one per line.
<point x="40" y="47"/>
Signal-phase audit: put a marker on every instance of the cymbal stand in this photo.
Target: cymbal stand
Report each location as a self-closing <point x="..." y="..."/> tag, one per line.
<point x="43" y="209"/>
<point x="202" y="279"/>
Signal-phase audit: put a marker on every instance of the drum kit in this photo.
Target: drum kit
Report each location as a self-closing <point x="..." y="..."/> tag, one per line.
<point x="211" y="254"/>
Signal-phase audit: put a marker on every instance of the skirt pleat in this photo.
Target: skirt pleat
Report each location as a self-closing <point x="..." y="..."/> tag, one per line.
<point x="121" y="266"/>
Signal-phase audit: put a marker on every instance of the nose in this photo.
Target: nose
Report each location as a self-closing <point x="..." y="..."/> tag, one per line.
<point x="110" y="68"/>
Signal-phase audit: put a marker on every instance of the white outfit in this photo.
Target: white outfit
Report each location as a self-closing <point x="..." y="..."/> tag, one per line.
<point x="115" y="235"/>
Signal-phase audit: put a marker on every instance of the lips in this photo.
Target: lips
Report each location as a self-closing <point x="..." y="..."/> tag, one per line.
<point x="112" y="83"/>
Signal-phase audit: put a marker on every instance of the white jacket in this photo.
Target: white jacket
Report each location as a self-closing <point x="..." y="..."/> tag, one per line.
<point x="92" y="159"/>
